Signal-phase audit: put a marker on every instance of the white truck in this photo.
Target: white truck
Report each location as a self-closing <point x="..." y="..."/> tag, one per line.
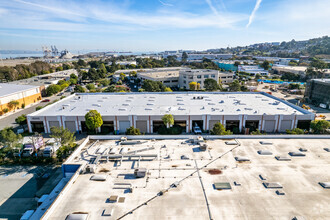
<point x="50" y="150"/>
<point x="29" y="149"/>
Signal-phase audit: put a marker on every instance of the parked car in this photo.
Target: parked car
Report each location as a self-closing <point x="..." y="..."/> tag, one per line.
<point x="46" y="100"/>
<point x="197" y="129"/>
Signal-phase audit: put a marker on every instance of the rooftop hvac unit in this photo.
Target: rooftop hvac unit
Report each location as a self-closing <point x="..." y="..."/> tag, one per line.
<point x="140" y="172"/>
<point x="90" y="168"/>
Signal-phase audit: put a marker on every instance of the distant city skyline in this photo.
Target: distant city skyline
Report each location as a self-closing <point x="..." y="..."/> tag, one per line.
<point x="158" y="25"/>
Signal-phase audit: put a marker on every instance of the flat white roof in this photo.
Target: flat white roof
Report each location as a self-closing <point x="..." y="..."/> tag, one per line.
<point x="176" y="103"/>
<point x="9" y="89"/>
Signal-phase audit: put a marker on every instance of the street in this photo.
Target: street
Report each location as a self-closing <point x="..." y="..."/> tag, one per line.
<point x="9" y="121"/>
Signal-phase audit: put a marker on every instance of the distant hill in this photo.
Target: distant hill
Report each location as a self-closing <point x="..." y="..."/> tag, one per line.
<point x="319" y="47"/>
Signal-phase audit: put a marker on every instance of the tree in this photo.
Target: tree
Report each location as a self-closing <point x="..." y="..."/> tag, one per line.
<point x="21" y="120"/>
<point x="153" y="86"/>
<point x="53" y="89"/>
<point x="133" y="131"/>
<point x="237" y="63"/>
<point x="79" y="88"/>
<point x="211" y="84"/>
<point x="73" y="76"/>
<point x="12" y="104"/>
<point x="265" y="65"/>
<point x="8" y="137"/>
<point x="62" y="135"/>
<point x="5" y="110"/>
<point x="219" y="129"/>
<point x="295" y="131"/>
<point x="168" y="120"/>
<point x="193" y="85"/>
<point x="90" y="86"/>
<point x="235" y="86"/>
<point x="294" y="86"/>
<point x="93" y="120"/>
<point x="258" y="76"/>
<point x="81" y="63"/>
<point x="122" y="76"/>
<point x="184" y="57"/>
<point x="320" y="126"/>
<point x="104" y="82"/>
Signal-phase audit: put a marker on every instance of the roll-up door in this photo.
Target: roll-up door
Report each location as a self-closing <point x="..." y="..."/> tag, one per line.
<point x="285" y="124"/>
<point x="54" y="124"/>
<point x="123" y="125"/>
<point x="71" y="125"/>
<point x="269" y="126"/>
<point x="142" y="126"/>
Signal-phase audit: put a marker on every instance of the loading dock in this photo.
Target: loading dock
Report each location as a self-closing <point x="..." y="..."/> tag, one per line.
<point x="38" y="126"/>
<point x="233" y="125"/>
<point x="107" y="127"/>
<point x="252" y="125"/>
<point x="156" y="125"/>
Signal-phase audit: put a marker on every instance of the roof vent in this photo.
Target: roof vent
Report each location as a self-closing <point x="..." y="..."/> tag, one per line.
<point x="128" y="100"/>
<point x="99" y="100"/>
<point x="148" y="109"/>
<point x="238" y="110"/>
<point x="211" y="103"/>
<point x="98" y="105"/>
<point x="126" y="104"/>
<point x="150" y="103"/>
<point x="104" y="97"/>
<point x="180" y="108"/>
<point x="122" y="109"/>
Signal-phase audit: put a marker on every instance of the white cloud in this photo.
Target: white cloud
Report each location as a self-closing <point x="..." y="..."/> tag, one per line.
<point x="73" y="16"/>
<point x="252" y="16"/>
<point x="165" y="4"/>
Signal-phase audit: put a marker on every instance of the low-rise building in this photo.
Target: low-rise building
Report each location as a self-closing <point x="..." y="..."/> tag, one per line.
<point x="299" y="70"/>
<point x="226" y="77"/>
<point x="198" y="76"/>
<point x="252" y="70"/>
<point x="168" y="76"/>
<point x="23" y="94"/>
<point x="43" y="81"/>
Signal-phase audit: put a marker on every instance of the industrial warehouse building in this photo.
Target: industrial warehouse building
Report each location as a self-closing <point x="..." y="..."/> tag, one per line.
<point x="23" y="94"/>
<point x="237" y="111"/>
<point x="317" y="92"/>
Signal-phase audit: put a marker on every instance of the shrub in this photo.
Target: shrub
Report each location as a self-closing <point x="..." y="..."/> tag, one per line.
<point x="21" y="120"/>
<point x="38" y="108"/>
<point x="23" y="105"/>
<point x="295" y="131"/>
<point x="133" y="131"/>
<point x="219" y="129"/>
<point x="175" y="130"/>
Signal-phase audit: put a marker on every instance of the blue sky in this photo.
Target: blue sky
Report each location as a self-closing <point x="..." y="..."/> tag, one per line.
<point x="157" y="25"/>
